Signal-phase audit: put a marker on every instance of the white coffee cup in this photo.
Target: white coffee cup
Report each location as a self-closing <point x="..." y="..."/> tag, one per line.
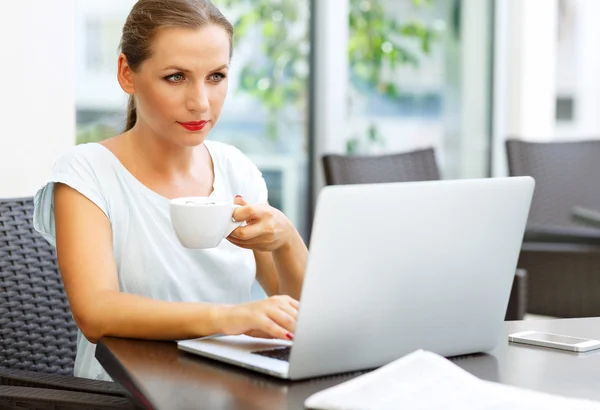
<point x="202" y="222"/>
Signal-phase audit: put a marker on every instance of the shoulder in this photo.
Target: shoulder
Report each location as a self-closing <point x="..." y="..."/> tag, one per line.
<point x="225" y="151"/>
<point x="231" y="157"/>
<point x="82" y="168"/>
<point x="242" y="174"/>
<point x="89" y="150"/>
<point x="91" y="169"/>
<point x="82" y="159"/>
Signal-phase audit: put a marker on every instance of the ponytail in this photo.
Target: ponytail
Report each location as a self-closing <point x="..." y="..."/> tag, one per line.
<point x="131" y="114"/>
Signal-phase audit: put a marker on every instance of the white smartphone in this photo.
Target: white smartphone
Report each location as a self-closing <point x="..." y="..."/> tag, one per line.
<point x="573" y="344"/>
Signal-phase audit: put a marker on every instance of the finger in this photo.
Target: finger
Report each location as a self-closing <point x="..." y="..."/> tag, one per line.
<point x="248" y="232"/>
<point x="283" y="319"/>
<point x="239" y="200"/>
<point x="258" y="333"/>
<point x="291" y="301"/>
<point x="290" y="310"/>
<point x="241" y="243"/>
<point x="245" y="213"/>
<point x="236" y="242"/>
<point x="273" y="329"/>
<point x="251" y="212"/>
<point x="255" y="243"/>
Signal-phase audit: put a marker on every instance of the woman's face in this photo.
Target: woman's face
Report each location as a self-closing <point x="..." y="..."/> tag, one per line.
<point x="181" y="88"/>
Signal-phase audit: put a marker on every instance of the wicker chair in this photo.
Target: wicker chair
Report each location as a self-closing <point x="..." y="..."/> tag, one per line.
<point x="37" y="331"/>
<point x="403" y="167"/>
<point x="560" y="254"/>
<point x="419" y="165"/>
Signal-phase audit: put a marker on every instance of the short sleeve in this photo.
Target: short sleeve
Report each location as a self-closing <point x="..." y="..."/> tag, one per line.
<point x="256" y="185"/>
<point x="76" y="169"/>
<point x="246" y="176"/>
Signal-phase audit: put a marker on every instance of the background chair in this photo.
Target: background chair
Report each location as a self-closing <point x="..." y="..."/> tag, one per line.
<point x="419" y="165"/>
<point x="37" y="331"/>
<point x="561" y="255"/>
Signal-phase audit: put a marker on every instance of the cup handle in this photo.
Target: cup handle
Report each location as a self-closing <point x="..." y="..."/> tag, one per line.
<point x="233" y="224"/>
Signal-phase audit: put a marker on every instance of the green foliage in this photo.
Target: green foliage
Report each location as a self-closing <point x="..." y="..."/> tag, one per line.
<point x="278" y="74"/>
<point x="378" y="42"/>
<point x="373" y="138"/>
<point x="94" y="133"/>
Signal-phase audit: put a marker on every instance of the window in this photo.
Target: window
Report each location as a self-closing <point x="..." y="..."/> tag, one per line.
<point x="410" y="85"/>
<point x="265" y="112"/>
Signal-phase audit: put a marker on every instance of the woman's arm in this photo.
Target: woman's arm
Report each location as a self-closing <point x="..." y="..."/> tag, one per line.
<point x="282" y="271"/>
<point x="279" y="250"/>
<point x="87" y="265"/>
<point x="290" y="261"/>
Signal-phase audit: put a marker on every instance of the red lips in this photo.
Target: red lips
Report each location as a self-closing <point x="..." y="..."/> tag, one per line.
<point x="193" y="125"/>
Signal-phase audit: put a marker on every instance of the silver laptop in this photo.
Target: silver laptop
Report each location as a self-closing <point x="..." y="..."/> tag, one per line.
<point x="393" y="268"/>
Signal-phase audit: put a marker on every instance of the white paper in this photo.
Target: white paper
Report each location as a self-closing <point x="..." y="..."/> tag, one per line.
<point x="426" y="381"/>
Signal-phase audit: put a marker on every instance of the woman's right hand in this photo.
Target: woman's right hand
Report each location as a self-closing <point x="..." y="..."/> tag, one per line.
<point x="274" y="317"/>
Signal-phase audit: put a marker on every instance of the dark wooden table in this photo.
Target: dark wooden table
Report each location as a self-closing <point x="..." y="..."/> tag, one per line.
<point x="161" y="377"/>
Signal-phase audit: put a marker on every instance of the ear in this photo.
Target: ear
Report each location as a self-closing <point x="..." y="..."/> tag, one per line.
<point x="125" y="75"/>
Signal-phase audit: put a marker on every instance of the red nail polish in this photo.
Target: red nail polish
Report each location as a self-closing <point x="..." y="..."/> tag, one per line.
<point x="289" y="336"/>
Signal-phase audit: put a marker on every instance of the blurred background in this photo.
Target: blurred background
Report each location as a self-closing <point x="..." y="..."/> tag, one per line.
<point x="314" y="77"/>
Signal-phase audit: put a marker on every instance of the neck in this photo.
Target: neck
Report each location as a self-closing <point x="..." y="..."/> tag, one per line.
<point x="161" y="156"/>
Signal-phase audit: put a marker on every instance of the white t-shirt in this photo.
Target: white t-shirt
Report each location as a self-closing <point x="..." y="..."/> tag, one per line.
<point x="149" y="258"/>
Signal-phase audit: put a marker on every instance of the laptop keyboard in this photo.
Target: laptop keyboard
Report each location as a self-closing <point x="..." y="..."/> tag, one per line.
<point x="279" y="353"/>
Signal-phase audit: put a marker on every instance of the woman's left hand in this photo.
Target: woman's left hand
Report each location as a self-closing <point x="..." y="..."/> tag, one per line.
<point x="267" y="228"/>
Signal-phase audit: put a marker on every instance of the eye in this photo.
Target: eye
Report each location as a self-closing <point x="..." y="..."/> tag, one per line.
<point x="217" y="77"/>
<point x="175" y="78"/>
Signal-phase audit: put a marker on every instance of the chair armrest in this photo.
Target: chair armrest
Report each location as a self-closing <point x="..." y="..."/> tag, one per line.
<point x="23" y="378"/>
<point x="562" y="234"/>
<point x="517" y="303"/>
<point x="587" y="216"/>
<point x="17" y="397"/>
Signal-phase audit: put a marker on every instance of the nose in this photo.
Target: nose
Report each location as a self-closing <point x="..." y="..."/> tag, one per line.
<point x="197" y="98"/>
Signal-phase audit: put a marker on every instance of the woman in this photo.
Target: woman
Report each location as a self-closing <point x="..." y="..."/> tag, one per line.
<point x="106" y="205"/>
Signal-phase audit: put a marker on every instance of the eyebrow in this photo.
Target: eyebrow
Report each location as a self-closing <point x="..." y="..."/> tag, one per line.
<point x="183" y="70"/>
